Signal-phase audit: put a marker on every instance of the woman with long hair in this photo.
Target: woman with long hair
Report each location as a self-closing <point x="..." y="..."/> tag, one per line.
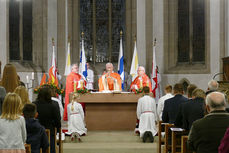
<point x="48" y="113"/>
<point x="12" y="125"/>
<point x="23" y="93"/>
<point x="9" y="78"/>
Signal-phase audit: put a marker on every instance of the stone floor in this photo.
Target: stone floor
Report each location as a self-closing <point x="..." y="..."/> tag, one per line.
<point x="109" y="142"/>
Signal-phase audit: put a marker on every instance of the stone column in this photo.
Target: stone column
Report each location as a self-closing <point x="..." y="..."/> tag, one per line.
<point x="141" y="32"/>
<point x="4" y="33"/>
<point x="226" y="27"/>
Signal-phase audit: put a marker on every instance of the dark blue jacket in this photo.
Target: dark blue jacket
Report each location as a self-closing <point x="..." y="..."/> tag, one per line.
<point x="171" y="108"/>
<point x="36" y="136"/>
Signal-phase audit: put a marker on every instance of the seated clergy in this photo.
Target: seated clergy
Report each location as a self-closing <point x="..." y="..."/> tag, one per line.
<point x="110" y="80"/>
<point x="147" y="115"/>
<point x="141" y="80"/>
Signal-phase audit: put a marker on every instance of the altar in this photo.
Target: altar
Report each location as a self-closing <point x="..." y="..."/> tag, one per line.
<point x="110" y="111"/>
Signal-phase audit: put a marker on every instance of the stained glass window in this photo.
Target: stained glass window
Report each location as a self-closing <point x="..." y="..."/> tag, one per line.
<point x="102" y="26"/>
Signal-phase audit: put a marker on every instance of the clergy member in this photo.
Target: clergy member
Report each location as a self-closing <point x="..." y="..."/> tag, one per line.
<point x="141" y="80"/>
<point x="110" y="80"/>
<point x="74" y="81"/>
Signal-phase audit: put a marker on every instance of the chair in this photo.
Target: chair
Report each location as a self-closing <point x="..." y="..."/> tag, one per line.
<point x="168" y="145"/>
<point x="28" y="148"/>
<point x="47" y="131"/>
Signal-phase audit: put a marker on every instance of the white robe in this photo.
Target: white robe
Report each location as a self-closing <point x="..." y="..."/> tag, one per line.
<point x="60" y="106"/>
<point x="76" y="119"/>
<point x="90" y="79"/>
<point x="160" y="104"/>
<point x="146" y="113"/>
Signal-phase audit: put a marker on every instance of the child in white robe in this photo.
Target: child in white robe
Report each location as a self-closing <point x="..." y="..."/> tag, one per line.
<point x="76" y="124"/>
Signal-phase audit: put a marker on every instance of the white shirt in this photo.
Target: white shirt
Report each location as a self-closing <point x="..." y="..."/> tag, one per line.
<point x="160" y="105"/>
<point x="90" y="79"/>
<point x="60" y="106"/>
<point x="12" y="133"/>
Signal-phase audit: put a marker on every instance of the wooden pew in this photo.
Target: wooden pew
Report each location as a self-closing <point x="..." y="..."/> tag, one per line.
<point x="161" y="140"/>
<point x="168" y="146"/>
<point x="28" y="148"/>
<point x="176" y="138"/>
<point x="184" y="148"/>
<point x="59" y="142"/>
<point x="47" y="131"/>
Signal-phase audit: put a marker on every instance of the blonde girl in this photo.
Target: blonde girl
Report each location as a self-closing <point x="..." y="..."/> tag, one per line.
<point x="76" y="125"/>
<point x="23" y="94"/>
<point x="12" y="125"/>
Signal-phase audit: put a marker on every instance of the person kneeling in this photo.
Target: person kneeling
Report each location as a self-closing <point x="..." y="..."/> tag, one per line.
<point x="76" y="124"/>
<point x="146" y="113"/>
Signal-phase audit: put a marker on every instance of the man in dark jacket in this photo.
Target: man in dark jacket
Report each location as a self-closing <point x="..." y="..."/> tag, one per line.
<point x="192" y="110"/>
<point x="36" y="135"/>
<point x="206" y="133"/>
<point x="171" y="106"/>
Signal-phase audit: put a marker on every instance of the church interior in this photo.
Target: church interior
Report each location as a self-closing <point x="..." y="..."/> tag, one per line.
<point x="187" y="41"/>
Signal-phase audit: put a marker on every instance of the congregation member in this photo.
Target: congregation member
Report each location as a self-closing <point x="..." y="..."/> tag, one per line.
<point x="73" y="80"/>
<point x="190" y="89"/>
<point x="9" y="78"/>
<point x="48" y="113"/>
<point x="224" y="145"/>
<point x="23" y="93"/>
<point x="161" y="101"/>
<point x="179" y="118"/>
<point x="36" y="135"/>
<point x="90" y="78"/>
<point x="110" y="80"/>
<point x="55" y="98"/>
<point x="147" y="116"/>
<point x="12" y="125"/>
<point x="2" y="96"/>
<point x="212" y="86"/>
<point x="141" y="80"/>
<point x="171" y="106"/>
<point x="76" y="124"/>
<point x="206" y="133"/>
<point x="192" y="110"/>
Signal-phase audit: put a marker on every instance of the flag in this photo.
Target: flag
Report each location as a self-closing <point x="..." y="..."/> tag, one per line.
<point x="83" y="62"/>
<point x="68" y="62"/>
<point x="43" y="80"/>
<point x="134" y="63"/>
<point x="154" y="73"/>
<point x="53" y="70"/>
<point x="121" y="64"/>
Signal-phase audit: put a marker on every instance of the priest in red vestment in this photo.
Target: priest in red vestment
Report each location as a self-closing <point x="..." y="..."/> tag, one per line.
<point x="110" y="80"/>
<point x="74" y="81"/>
<point x="141" y="80"/>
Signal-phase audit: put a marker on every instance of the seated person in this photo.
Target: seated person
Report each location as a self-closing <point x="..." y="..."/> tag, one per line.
<point x="110" y="80"/>
<point x="36" y="135"/>
<point x="76" y="124"/>
<point x="206" y="133"/>
<point x="141" y="80"/>
<point x="224" y="145"/>
<point x="192" y="110"/>
<point x="147" y="115"/>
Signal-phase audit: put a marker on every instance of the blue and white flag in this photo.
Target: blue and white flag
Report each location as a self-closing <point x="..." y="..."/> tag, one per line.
<point x="83" y="62"/>
<point x="121" y="64"/>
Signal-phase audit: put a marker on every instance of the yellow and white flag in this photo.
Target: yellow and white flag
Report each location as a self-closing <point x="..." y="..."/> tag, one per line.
<point x="134" y="63"/>
<point x="68" y="62"/>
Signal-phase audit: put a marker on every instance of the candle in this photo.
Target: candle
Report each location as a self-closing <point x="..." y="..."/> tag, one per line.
<point x="81" y="84"/>
<point x="32" y="75"/>
<point x="27" y="79"/>
<point x="74" y="86"/>
<point x="140" y="82"/>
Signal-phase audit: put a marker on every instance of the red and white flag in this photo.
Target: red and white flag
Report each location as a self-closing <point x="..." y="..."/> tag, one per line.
<point x="53" y="69"/>
<point x="154" y="74"/>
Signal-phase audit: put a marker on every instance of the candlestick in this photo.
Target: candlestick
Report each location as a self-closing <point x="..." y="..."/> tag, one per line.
<point x="27" y="79"/>
<point x="32" y="75"/>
